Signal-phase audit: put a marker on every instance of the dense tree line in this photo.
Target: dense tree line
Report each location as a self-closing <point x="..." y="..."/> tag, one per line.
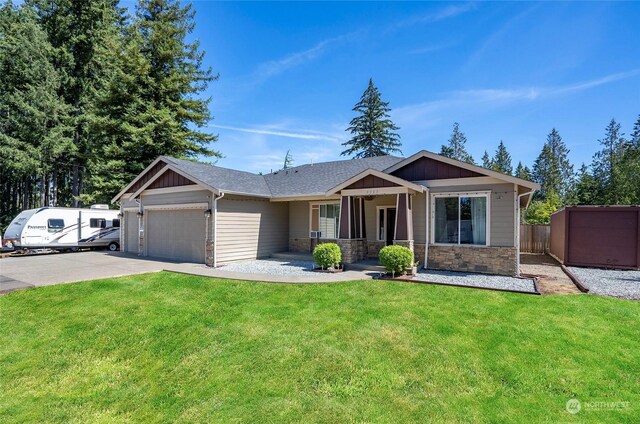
<point x="90" y="95"/>
<point x="612" y="178"/>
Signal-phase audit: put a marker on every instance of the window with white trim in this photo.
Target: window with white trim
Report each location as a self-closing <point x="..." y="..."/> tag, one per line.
<point x="325" y="218"/>
<point x="461" y="219"/>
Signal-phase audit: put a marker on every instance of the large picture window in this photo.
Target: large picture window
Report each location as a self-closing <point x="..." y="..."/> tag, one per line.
<point x="461" y="219"/>
<point x="325" y="218"/>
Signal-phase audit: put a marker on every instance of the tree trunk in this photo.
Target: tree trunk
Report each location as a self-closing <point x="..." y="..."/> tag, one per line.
<point x="74" y="184"/>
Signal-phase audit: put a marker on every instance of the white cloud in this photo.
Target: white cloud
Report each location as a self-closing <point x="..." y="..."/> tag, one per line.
<point x="426" y="113"/>
<point x="300" y="134"/>
<point x="439" y="15"/>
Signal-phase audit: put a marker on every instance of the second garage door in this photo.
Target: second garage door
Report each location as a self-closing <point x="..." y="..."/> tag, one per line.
<point x="176" y="234"/>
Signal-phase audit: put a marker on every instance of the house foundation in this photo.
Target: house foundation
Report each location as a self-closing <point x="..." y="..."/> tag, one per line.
<point x="488" y="260"/>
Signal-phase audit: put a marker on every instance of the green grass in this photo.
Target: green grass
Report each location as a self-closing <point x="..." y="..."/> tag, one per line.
<point x="168" y="347"/>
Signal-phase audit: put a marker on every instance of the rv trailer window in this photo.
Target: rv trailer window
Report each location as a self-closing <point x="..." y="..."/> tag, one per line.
<point x="116" y="223"/>
<point x="55" y="225"/>
<point x="97" y="223"/>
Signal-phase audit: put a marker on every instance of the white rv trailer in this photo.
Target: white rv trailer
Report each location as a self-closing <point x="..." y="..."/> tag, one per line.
<point x="64" y="228"/>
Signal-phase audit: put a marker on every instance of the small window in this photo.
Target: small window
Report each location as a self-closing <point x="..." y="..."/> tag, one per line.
<point x="97" y="223"/>
<point x="55" y="225"/>
<point x="116" y="223"/>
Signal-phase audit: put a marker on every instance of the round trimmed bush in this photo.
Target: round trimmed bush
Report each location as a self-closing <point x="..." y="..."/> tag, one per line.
<point x="396" y="258"/>
<point x="327" y="255"/>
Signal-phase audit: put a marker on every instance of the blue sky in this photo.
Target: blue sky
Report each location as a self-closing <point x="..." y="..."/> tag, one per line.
<point x="290" y="74"/>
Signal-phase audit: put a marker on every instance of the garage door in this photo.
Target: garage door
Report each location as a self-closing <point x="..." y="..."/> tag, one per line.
<point x="131" y="232"/>
<point x="176" y="234"/>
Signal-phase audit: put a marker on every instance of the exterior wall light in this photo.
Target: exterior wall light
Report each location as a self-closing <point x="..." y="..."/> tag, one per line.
<point x="207" y="213"/>
<point x="140" y="213"/>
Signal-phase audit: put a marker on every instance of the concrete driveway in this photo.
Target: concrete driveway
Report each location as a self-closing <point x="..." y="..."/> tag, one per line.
<point x="56" y="268"/>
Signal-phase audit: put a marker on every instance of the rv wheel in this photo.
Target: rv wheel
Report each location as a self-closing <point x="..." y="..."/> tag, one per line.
<point x="113" y="246"/>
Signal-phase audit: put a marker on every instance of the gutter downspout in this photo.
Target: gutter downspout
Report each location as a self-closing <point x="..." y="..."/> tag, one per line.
<point x="518" y="230"/>
<point x="426" y="228"/>
<point x="215" y="229"/>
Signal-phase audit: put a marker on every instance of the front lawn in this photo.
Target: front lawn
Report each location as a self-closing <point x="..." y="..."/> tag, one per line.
<point x="167" y="347"/>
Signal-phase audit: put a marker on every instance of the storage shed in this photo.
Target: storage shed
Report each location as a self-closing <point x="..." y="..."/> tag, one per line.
<point x="597" y="236"/>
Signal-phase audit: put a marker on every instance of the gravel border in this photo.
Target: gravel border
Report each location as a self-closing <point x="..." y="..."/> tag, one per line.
<point x="609" y="282"/>
<point x="499" y="282"/>
<point x="271" y="267"/>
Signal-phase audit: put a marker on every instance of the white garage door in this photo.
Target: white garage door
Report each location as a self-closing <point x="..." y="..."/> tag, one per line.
<point x="177" y="234"/>
<point x="131" y="232"/>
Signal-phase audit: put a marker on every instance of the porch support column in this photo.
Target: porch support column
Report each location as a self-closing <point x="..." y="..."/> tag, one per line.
<point x="345" y="218"/>
<point x="404" y="222"/>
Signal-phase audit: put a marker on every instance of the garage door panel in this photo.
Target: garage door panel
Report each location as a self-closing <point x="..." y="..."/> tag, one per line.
<point x="177" y="234"/>
<point x="131" y="232"/>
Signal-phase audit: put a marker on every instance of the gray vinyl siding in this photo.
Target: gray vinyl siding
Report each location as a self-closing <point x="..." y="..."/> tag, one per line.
<point x="419" y="218"/>
<point x="299" y="219"/>
<point x="502" y="211"/>
<point x="250" y="228"/>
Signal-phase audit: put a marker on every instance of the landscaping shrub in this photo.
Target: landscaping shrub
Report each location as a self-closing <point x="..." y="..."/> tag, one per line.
<point x="395" y="258"/>
<point x="327" y="255"/>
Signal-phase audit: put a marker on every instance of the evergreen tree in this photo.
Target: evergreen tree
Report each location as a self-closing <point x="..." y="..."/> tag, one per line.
<point x="606" y="165"/>
<point x="34" y="134"/>
<point x="585" y="188"/>
<point x="630" y="168"/>
<point x="552" y="169"/>
<point x="151" y="105"/>
<point x="502" y="160"/>
<point x="523" y="172"/>
<point x="288" y="160"/>
<point x="372" y="130"/>
<point x="486" y="161"/>
<point x="77" y="29"/>
<point x="456" y="148"/>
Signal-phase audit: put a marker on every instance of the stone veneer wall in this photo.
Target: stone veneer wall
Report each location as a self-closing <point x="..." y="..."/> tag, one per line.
<point x="373" y="248"/>
<point x="300" y="245"/>
<point x="488" y="260"/>
<point x="353" y="250"/>
<point x="418" y="253"/>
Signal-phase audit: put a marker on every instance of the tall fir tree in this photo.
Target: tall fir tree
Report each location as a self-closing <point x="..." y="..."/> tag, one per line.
<point x="607" y="169"/>
<point x="586" y="188"/>
<point x="373" y="133"/>
<point x="523" y="172"/>
<point x="553" y="170"/>
<point x="486" y="160"/>
<point x="152" y="104"/>
<point x="502" y="160"/>
<point x="288" y="160"/>
<point x="34" y="134"/>
<point x="77" y="29"/>
<point x="456" y="148"/>
<point x="630" y="167"/>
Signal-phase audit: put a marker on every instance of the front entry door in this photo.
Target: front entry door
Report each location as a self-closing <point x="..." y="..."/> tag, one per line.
<point x="391" y="225"/>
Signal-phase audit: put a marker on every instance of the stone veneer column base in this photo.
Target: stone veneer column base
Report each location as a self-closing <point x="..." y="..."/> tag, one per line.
<point x="418" y="253"/>
<point x="488" y="260"/>
<point x="208" y="252"/>
<point x="353" y="250"/>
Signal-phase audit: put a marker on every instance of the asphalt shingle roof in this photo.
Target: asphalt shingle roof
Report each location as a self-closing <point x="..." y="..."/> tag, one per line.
<point x="310" y="179"/>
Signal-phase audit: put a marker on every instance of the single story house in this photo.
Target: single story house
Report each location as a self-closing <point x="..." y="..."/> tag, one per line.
<point x="453" y="215"/>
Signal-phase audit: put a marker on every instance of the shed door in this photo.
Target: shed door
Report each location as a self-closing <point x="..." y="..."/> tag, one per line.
<point x="176" y="234"/>
<point x="131" y="232"/>
<point x="603" y="238"/>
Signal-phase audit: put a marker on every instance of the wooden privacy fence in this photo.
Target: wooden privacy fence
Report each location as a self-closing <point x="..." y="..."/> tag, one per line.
<point x="534" y="238"/>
